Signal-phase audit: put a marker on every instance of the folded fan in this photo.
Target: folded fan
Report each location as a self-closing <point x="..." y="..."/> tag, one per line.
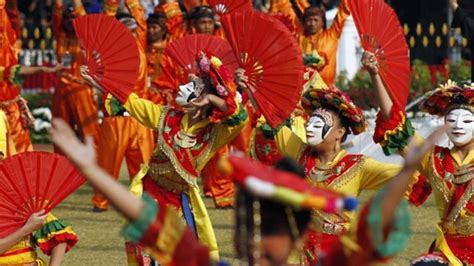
<point x="272" y="61"/>
<point x="33" y="181"/>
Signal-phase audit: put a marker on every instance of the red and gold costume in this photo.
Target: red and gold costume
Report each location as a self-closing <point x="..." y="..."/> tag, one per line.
<point x="325" y="42"/>
<point x="11" y="103"/>
<point x="182" y="152"/>
<point x="121" y="135"/>
<point x="349" y="174"/>
<point x="73" y="99"/>
<point x="448" y="177"/>
<point x="53" y="233"/>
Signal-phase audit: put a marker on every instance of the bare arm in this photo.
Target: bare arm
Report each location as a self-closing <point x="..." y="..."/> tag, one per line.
<point x="35" y="222"/>
<point x="369" y="62"/>
<point x="454" y="4"/>
<point x="84" y="157"/>
<point x="26" y="70"/>
<point x="57" y="254"/>
<point x="397" y="187"/>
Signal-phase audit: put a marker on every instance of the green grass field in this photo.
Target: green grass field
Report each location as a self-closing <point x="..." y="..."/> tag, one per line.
<point x="100" y="243"/>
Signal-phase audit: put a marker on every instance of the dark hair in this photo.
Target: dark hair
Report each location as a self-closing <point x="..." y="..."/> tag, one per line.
<point x="121" y="15"/>
<point x="200" y="12"/>
<point x="315" y="11"/>
<point x="343" y="121"/>
<point x="159" y="19"/>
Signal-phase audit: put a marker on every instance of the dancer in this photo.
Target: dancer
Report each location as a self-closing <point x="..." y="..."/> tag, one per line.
<point x="332" y="117"/>
<point x="187" y="139"/>
<point x="73" y="100"/>
<point x="11" y="102"/>
<point x="315" y="36"/>
<point x="448" y="171"/>
<point x="53" y="236"/>
<point x="122" y="136"/>
<point x="382" y="221"/>
<point x="14" y="76"/>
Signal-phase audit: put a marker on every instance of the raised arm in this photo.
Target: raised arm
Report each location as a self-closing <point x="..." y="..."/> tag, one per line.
<point x="83" y="155"/>
<point x="369" y="62"/>
<point x="57" y="18"/>
<point x="397" y="187"/>
<point x="13" y="16"/>
<point x="145" y="111"/>
<point x="138" y="13"/>
<point x="338" y="24"/>
<point x="111" y="7"/>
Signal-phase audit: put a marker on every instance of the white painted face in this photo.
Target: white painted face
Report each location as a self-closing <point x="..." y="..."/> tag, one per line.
<point x="460" y="126"/>
<point x="318" y="127"/>
<point x="185" y="94"/>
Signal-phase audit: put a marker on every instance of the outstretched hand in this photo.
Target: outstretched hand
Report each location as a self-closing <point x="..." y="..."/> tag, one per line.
<point x="416" y="152"/>
<point x="81" y="154"/>
<point x="56" y="68"/>
<point x="370" y="63"/>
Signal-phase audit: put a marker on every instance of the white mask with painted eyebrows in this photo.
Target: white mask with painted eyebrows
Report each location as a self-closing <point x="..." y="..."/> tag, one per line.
<point x="460" y="126"/>
<point x="318" y="127"/>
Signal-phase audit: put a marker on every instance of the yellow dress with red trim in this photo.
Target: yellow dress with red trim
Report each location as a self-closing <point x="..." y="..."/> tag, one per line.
<point x="53" y="233"/>
<point x="349" y="174"/>
<point x="326" y="42"/>
<point x="161" y="232"/>
<point x="121" y="136"/>
<point x="182" y="151"/>
<point x="7" y="146"/>
<point x="73" y="98"/>
<point x="445" y="176"/>
<point x="11" y="103"/>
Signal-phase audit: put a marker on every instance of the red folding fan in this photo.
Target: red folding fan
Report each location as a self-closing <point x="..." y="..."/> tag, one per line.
<point x="33" y="181"/>
<point x="222" y="7"/>
<point x="387" y="43"/>
<point x="185" y="49"/>
<point x="111" y="52"/>
<point x="272" y="60"/>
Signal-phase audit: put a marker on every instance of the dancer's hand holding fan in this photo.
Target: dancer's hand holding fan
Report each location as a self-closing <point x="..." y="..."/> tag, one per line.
<point x="111" y="53"/>
<point x="272" y="61"/>
<point x="387" y="43"/>
<point x="31" y="182"/>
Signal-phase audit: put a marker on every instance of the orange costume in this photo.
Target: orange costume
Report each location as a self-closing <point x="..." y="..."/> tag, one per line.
<point x="73" y="99"/>
<point x="325" y="42"/>
<point x="11" y="103"/>
<point x="121" y="135"/>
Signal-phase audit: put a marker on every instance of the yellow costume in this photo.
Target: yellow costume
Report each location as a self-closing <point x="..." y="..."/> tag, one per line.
<point x="182" y="152"/>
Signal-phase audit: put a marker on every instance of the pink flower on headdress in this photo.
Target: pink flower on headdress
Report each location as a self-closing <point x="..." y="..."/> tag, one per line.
<point x="221" y="90"/>
<point x="204" y="64"/>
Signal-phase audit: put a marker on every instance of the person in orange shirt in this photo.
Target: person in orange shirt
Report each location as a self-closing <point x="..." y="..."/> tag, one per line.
<point x="73" y="100"/>
<point x="14" y="107"/>
<point x="315" y="36"/>
<point x="121" y="135"/>
<point x="157" y="38"/>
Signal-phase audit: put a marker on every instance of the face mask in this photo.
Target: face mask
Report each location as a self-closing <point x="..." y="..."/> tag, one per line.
<point x="318" y="127"/>
<point x="460" y="126"/>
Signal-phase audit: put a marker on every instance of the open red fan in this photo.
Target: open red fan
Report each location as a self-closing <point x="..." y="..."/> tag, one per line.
<point x="184" y="51"/>
<point x="111" y="52"/>
<point x="222" y="7"/>
<point x="387" y="43"/>
<point x="272" y="60"/>
<point x="33" y="181"/>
